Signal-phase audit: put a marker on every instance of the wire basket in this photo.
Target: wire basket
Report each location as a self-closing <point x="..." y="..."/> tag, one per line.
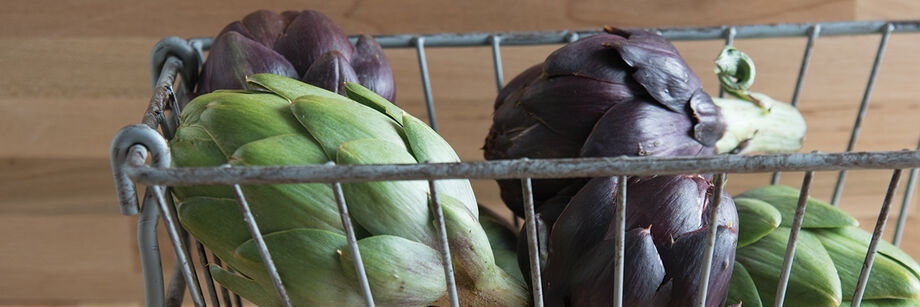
<point x="175" y="64"/>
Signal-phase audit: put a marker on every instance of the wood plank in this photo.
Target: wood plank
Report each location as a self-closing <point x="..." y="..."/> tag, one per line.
<point x="68" y="258"/>
<point x="203" y="18"/>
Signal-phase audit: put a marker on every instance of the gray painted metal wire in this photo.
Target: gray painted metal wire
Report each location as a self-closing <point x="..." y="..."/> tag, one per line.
<point x="718" y="181"/>
<point x="797" y="219"/>
<point x="863" y="107"/>
<point x="876" y="236"/>
<point x="443" y="244"/>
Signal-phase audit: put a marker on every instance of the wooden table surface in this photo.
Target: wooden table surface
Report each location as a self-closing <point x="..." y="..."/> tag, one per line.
<point x="77" y="71"/>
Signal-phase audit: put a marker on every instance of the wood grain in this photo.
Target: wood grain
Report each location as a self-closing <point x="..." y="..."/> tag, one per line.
<point x="76" y="71"/>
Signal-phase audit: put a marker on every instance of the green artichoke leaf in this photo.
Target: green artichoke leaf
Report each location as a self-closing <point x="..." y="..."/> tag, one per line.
<point x="397" y="208"/>
<point x="503" y="242"/>
<point x="756" y="219"/>
<point x="884" y="248"/>
<point x="193" y="146"/>
<point x="741" y="288"/>
<point x="245" y="287"/>
<point x="371" y="99"/>
<point x="427" y="145"/>
<point x="482" y="282"/>
<point x="218" y="224"/>
<point x="288" y="88"/>
<point x="400" y="272"/>
<point x="818" y="214"/>
<point x="312" y="204"/>
<point x="885" y="303"/>
<point x="334" y="122"/>
<point x="888" y="279"/>
<point x="813" y="280"/>
<point x="469" y="243"/>
<point x="308" y="263"/>
<point x="191" y="112"/>
<point x="238" y="119"/>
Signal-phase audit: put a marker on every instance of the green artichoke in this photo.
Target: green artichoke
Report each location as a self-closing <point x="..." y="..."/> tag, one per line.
<point x="282" y="121"/>
<point x="828" y="259"/>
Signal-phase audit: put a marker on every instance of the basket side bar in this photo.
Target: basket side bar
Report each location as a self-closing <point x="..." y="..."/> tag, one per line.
<point x="675" y="34"/>
<point x="536" y="168"/>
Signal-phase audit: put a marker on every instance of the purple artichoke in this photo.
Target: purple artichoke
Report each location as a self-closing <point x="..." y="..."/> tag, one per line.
<point x="618" y="93"/>
<point x="306" y="45"/>
<point x="626" y="93"/>
<point x="667" y="218"/>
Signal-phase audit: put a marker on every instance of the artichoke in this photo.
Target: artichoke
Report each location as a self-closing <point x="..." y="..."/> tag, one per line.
<point x="667" y="218"/>
<point x="828" y="258"/>
<point x="282" y="121"/>
<point x="623" y="92"/>
<point x="306" y="45"/>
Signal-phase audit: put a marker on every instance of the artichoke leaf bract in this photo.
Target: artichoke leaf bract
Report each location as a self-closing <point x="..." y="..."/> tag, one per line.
<point x="815" y="282"/>
<point x="307" y="260"/>
<point x="757" y="218"/>
<point x="742" y="289"/>
<point x="818" y="214"/>
<point x="400" y="272"/>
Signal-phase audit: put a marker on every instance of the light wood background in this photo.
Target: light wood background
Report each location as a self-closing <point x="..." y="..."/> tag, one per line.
<point x="77" y="71"/>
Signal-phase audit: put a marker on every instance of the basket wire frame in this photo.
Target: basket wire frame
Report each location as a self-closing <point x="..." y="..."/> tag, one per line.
<point x="174" y="57"/>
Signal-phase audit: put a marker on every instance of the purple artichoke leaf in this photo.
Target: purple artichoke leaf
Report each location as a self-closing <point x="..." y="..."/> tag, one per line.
<point x="540" y="142"/>
<point x="265" y="26"/>
<point x="289" y="16"/>
<point x="659" y="68"/>
<point x="709" y="126"/>
<point x="642" y="129"/>
<point x="310" y="35"/>
<point x="372" y="67"/>
<point x="590" y="57"/>
<point x="670" y="205"/>
<point x="643" y="272"/>
<point x="578" y="229"/>
<point x="233" y="57"/>
<point x="546" y="216"/>
<point x="683" y="261"/>
<point x="330" y="71"/>
<point x="237" y="27"/>
<point x="571" y="105"/>
<point x="515" y="86"/>
<point x="543" y="190"/>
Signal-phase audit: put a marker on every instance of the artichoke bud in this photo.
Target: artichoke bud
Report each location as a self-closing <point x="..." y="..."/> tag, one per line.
<point x="304" y="45"/>
<point x="330" y="71"/>
<point x="400" y="272"/>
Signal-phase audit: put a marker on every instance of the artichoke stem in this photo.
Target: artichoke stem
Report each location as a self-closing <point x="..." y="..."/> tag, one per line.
<point x="749" y="128"/>
<point x="736" y="73"/>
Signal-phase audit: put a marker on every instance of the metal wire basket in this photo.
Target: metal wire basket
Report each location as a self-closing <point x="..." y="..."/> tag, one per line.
<point x="174" y="69"/>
